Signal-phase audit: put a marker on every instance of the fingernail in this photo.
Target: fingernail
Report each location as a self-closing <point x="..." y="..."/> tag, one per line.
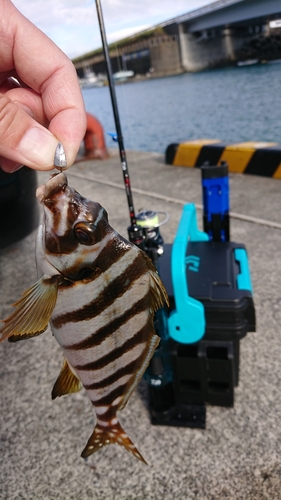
<point x="38" y="146"/>
<point x="10" y="166"/>
<point x="17" y="167"/>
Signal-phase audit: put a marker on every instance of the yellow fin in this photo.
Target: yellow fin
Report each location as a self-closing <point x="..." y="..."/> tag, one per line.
<point x="157" y="289"/>
<point x="34" y="310"/>
<point x="66" y="383"/>
<point x="110" y="435"/>
<point x="158" y="292"/>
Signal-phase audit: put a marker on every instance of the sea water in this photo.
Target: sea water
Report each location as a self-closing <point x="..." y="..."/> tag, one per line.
<point x="234" y="105"/>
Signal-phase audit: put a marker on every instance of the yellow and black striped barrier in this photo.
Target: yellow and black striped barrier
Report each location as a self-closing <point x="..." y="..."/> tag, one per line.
<point x="257" y="158"/>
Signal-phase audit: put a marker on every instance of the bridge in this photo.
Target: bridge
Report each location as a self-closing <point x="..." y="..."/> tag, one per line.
<point x="221" y="33"/>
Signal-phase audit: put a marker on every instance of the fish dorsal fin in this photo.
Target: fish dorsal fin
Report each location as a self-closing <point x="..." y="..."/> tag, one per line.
<point x="66" y="383"/>
<point x="110" y="435"/>
<point x="158" y="292"/>
<point x="33" y="311"/>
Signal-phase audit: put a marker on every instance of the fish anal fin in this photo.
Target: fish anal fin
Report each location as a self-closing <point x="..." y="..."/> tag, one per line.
<point x="33" y="310"/>
<point x="66" y="383"/>
<point x="114" y="434"/>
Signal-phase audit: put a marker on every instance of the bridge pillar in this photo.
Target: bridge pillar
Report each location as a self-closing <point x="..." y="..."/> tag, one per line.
<point x="165" y="55"/>
<point x="228" y="44"/>
<point x="233" y="43"/>
<point x="207" y="49"/>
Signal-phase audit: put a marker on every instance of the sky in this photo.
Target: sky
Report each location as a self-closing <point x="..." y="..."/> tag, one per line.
<point x="73" y="24"/>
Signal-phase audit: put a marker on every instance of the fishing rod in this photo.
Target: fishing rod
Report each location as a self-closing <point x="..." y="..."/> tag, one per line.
<point x="144" y="228"/>
<point x="111" y="85"/>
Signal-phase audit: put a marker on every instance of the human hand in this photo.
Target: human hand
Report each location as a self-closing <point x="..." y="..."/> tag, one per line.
<point x="46" y="106"/>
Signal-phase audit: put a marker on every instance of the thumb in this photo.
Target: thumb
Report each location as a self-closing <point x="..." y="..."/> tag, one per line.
<point x="22" y="139"/>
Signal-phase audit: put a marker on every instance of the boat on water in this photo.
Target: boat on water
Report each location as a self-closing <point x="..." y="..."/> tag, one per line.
<point x="91" y="79"/>
<point x="248" y="62"/>
<point x="122" y="76"/>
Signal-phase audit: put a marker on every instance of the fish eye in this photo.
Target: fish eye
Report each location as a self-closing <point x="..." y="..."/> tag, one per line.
<point x="85" y="233"/>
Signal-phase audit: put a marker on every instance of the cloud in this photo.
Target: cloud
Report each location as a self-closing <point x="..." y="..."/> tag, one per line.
<point x="46" y="14"/>
<point x="73" y="24"/>
<point x="123" y="33"/>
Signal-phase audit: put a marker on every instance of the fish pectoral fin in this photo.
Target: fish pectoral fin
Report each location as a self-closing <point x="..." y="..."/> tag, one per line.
<point x="114" y="434"/>
<point x="33" y="311"/>
<point x="66" y="383"/>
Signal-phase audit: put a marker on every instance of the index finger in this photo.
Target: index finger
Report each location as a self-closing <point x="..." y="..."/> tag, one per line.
<point x="41" y="65"/>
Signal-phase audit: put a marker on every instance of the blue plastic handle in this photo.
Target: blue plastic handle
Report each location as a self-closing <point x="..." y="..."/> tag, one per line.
<point x="243" y="279"/>
<point x="187" y="322"/>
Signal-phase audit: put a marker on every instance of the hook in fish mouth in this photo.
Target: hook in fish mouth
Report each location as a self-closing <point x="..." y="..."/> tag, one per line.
<point x="60" y="158"/>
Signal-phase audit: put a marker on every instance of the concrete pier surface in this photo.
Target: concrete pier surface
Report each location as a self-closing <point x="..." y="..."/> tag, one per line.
<point x="237" y="456"/>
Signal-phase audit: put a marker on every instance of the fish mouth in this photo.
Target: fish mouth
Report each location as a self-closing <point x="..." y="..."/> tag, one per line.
<point x="56" y="183"/>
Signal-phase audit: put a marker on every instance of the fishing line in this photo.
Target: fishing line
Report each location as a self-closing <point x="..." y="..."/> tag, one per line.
<point x="127" y="113"/>
<point x="145" y="237"/>
<point x="177" y="201"/>
<point x="122" y="152"/>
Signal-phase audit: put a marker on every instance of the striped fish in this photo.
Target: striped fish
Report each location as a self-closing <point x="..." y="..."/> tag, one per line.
<point x="99" y="292"/>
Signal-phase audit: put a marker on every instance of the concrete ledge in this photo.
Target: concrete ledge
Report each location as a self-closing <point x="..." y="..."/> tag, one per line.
<point x="258" y="158"/>
<point x="237" y="456"/>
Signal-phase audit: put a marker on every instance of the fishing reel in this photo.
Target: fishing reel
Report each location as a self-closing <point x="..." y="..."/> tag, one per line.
<point x="146" y="234"/>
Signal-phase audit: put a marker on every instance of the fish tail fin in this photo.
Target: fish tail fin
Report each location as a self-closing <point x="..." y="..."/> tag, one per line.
<point x="113" y="434"/>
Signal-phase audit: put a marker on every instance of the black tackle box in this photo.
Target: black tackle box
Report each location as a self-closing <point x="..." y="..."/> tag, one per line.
<point x="206" y="371"/>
